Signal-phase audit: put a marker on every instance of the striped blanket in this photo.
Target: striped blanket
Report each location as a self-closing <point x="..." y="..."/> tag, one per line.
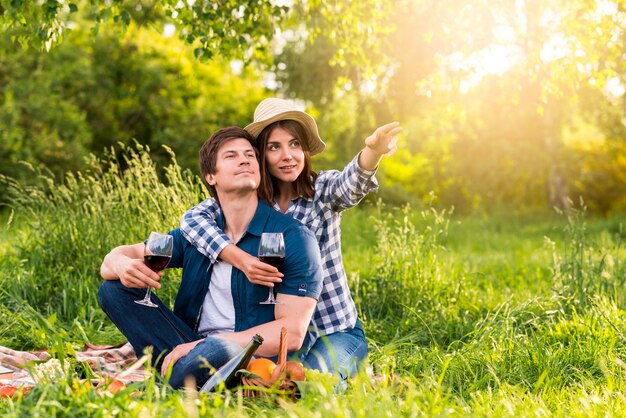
<point x="107" y="362"/>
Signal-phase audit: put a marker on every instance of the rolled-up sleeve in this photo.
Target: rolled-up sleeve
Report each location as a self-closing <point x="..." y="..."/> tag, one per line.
<point x="302" y="268"/>
<point x="345" y="189"/>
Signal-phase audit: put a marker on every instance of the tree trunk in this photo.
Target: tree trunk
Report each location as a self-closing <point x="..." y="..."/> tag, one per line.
<point x="558" y="191"/>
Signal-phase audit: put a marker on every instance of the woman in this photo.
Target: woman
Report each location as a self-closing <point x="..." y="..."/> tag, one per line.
<point x="287" y="138"/>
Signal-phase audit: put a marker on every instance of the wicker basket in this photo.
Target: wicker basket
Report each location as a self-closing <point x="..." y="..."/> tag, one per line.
<point x="256" y="387"/>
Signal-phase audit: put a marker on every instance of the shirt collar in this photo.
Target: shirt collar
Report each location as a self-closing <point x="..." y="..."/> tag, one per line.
<point x="292" y="203"/>
<point x="257" y="224"/>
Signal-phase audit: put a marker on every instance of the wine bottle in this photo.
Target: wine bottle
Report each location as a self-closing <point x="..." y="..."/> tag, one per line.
<point x="227" y="373"/>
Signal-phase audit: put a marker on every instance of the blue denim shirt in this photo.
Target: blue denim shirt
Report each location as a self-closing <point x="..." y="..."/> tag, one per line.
<point x="302" y="270"/>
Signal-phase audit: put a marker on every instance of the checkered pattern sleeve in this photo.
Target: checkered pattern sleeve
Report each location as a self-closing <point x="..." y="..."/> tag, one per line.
<point x="200" y="228"/>
<point x="345" y="189"/>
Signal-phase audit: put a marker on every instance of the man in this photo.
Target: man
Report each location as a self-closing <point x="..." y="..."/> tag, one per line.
<point x="217" y="310"/>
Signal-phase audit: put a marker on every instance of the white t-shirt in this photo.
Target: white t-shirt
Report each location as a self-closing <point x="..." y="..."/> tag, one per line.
<point x="218" y="309"/>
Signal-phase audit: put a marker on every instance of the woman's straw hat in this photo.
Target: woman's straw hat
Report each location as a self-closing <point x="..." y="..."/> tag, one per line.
<point x="273" y="109"/>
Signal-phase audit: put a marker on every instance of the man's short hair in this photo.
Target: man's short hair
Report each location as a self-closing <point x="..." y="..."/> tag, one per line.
<point x="208" y="151"/>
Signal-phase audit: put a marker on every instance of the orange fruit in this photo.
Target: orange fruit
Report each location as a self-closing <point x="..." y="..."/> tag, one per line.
<point x="9" y="391"/>
<point x="262" y="367"/>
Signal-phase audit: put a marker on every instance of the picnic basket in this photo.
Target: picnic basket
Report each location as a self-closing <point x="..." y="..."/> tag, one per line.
<point x="254" y="386"/>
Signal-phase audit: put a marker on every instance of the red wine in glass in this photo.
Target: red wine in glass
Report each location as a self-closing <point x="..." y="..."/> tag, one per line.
<point x="156" y="262"/>
<point x="272" y="251"/>
<point x="273" y="261"/>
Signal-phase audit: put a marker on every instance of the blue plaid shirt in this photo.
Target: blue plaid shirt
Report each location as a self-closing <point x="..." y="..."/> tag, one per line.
<point x="335" y="191"/>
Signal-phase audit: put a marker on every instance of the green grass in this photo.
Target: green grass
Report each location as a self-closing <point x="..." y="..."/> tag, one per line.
<point x="480" y="316"/>
<point x="6" y="218"/>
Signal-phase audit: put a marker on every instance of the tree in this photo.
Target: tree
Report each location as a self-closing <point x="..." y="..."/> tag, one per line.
<point x="86" y="96"/>
<point x="229" y="28"/>
<point x="241" y="29"/>
<point x="500" y="129"/>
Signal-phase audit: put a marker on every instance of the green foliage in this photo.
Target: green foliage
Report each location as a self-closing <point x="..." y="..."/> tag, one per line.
<point x="39" y="124"/>
<point x="602" y="176"/>
<point x="142" y="87"/>
<point x="393" y="306"/>
<point x="498" y="316"/>
<point x="232" y="29"/>
<point x="490" y="95"/>
<point x="585" y="269"/>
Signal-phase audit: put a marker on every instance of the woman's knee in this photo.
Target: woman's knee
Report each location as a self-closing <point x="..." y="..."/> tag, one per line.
<point x="338" y="351"/>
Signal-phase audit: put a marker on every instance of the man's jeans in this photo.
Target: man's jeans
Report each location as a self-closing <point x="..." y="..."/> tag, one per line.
<point x="160" y="328"/>
<point x="342" y="353"/>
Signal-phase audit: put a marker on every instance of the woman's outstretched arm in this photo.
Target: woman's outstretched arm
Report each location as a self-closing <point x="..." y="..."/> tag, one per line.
<point x="382" y="142"/>
<point x="341" y="190"/>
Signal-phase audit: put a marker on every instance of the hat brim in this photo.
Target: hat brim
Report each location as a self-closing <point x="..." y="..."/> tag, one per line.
<point x="316" y="145"/>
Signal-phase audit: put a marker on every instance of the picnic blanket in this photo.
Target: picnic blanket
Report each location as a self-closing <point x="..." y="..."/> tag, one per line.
<point x="107" y="362"/>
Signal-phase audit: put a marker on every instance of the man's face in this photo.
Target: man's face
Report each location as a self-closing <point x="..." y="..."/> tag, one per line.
<point x="236" y="168"/>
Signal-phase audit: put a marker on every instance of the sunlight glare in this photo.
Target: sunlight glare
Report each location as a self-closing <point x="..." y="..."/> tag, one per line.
<point x="615" y="87"/>
<point x="608" y="8"/>
<point x="495" y="59"/>
<point x="504" y="34"/>
<point x="555" y="48"/>
<point x="236" y="66"/>
<point x="169" y="30"/>
<point x="369" y="86"/>
<point x="283" y="3"/>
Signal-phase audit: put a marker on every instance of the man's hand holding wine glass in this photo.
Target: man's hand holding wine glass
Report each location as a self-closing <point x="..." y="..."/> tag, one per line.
<point x="134" y="273"/>
<point x="127" y="264"/>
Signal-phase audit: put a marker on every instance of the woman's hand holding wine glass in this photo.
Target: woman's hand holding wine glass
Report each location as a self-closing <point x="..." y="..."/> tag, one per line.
<point x="157" y="254"/>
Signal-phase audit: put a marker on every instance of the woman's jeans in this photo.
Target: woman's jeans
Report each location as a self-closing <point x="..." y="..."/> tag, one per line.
<point x="342" y="353"/>
<point x="160" y="329"/>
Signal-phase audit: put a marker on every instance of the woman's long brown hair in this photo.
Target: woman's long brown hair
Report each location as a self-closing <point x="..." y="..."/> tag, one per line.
<point x="304" y="184"/>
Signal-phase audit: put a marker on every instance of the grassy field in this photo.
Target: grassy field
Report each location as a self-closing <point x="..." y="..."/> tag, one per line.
<point x="477" y="316"/>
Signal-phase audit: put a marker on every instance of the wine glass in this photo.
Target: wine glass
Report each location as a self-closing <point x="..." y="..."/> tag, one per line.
<point x="272" y="251"/>
<point x="156" y="255"/>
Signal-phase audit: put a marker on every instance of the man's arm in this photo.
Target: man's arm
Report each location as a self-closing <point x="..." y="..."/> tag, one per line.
<point x="297" y="294"/>
<point x="126" y="264"/>
<point x="293" y="313"/>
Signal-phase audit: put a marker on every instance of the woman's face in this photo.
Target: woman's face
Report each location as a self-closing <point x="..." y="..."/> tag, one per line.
<point x="284" y="155"/>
